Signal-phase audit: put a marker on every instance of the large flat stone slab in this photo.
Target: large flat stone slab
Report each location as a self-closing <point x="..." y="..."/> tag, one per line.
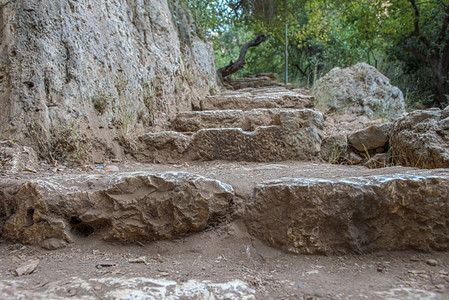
<point x="353" y="215"/>
<point x="258" y="98"/>
<point x="54" y="211"/>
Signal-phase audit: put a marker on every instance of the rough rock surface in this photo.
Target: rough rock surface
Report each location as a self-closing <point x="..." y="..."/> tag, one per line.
<point x="16" y="158"/>
<point x="298" y="136"/>
<point x="333" y="148"/>
<point x="248" y="120"/>
<point x="161" y="147"/>
<point x="130" y="288"/>
<point x="86" y="73"/>
<point x="421" y="139"/>
<point x="370" y="138"/>
<point x="118" y="207"/>
<point x="247" y="99"/>
<point x="379" y="160"/>
<point x="360" y="90"/>
<point x="192" y="121"/>
<point x="352" y="215"/>
<point x="262" y="80"/>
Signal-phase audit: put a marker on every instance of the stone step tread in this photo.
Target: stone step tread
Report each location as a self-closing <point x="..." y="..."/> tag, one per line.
<point x="258" y="98"/>
<point x="297" y="207"/>
<point x="289" y="134"/>
<point x="249" y="120"/>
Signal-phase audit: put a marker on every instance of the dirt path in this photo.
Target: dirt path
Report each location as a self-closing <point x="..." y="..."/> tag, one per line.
<point x="224" y="262"/>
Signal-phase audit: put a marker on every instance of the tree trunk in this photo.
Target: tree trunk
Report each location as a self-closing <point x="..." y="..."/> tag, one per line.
<point x="439" y="82"/>
<point x="233" y="67"/>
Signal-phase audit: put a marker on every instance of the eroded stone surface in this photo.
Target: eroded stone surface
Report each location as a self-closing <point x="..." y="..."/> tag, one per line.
<point x="127" y="288"/>
<point x="360" y="90"/>
<point x="192" y="121"/>
<point x="352" y="215"/>
<point x="16" y="158"/>
<point x="298" y="136"/>
<point x="370" y="138"/>
<point x="119" y="207"/>
<point x="248" y="99"/>
<point x="93" y="72"/>
<point x="421" y="139"/>
<point x="161" y="147"/>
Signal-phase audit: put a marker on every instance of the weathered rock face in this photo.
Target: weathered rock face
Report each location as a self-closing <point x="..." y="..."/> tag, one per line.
<point x="421" y="139"/>
<point x="78" y="76"/>
<point x="360" y="90"/>
<point x="121" y="207"/>
<point x="352" y="215"/>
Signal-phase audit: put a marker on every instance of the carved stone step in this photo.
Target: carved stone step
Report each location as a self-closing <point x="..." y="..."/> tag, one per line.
<point x="192" y="121"/>
<point x="56" y="210"/>
<point x="258" y="98"/>
<point x="352" y="215"/>
<point x="297" y="135"/>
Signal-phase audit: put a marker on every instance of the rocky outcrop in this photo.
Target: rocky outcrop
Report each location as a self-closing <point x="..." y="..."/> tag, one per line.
<point x="360" y="90"/>
<point x="122" y="207"/>
<point x="79" y="77"/>
<point x="352" y="215"/>
<point x="421" y="139"/>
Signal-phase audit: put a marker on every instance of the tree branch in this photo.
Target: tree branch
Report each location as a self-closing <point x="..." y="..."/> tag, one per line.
<point x="417" y="31"/>
<point x="233" y="67"/>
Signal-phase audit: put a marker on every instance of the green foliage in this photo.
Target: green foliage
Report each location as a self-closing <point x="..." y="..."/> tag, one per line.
<point x="404" y="39"/>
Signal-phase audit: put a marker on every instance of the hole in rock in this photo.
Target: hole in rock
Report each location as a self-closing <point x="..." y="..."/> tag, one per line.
<point x="29" y="218"/>
<point x="75" y="221"/>
<point x="81" y="228"/>
<point x="30" y="84"/>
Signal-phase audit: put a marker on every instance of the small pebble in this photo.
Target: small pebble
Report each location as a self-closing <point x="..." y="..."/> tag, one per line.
<point x="431" y="262"/>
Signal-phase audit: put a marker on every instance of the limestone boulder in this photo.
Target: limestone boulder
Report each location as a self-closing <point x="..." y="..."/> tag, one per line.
<point x="421" y="139"/>
<point x="371" y="138"/>
<point x="121" y="207"/>
<point x="161" y="147"/>
<point x="360" y="90"/>
<point x="16" y="158"/>
<point x="352" y="215"/>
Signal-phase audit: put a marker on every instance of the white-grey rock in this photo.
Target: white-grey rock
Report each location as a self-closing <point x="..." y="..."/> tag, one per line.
<point x="77" y="76"/>
<point x="360" y="90"/>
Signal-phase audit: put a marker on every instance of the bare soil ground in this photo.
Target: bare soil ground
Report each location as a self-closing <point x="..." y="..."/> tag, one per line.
<point x="223" y="262"/>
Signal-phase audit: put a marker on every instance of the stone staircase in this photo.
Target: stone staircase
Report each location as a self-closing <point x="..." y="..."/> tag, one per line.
<point x="251" y="124"/>
<point x="231" y="144"/>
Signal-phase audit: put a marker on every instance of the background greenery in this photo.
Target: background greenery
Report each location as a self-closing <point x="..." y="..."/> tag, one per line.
<point x="407" y="40"/>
